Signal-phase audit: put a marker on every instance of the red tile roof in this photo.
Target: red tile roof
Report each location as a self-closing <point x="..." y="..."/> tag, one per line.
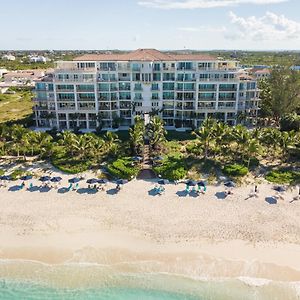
<point x="144" y="55"/>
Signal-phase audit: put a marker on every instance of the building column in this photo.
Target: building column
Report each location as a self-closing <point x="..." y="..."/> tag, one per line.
<point x="87" y="121"/>
<point x="67" y="120"/>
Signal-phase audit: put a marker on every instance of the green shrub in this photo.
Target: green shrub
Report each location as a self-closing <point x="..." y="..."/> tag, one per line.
<point x="16" y="174"/>
<point x="172" y="168"/>
<point x="70" y="166"/>
<point x="1" y="172"/>
<point x="235" y="170"/>
<point x="123" y="168"/>
<point x="283" y="177"/>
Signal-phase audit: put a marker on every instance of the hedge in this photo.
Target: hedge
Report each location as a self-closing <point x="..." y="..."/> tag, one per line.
<point x="172" y="168"/>
<point x="235" y="170"/>
<point x="123" y="168"/>
<point x="283" y="177"/>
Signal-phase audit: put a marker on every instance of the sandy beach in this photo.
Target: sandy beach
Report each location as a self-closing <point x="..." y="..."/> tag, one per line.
<point x="204" y="236"/>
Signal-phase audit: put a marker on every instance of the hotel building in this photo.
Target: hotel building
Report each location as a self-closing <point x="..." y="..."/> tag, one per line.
<point x="109" y="90"/>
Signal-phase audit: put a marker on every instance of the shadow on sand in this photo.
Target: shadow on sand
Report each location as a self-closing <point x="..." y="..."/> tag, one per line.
<point x="220" y="195"/>
<point x="271" y="200"/>
<point x="113" y="191"/>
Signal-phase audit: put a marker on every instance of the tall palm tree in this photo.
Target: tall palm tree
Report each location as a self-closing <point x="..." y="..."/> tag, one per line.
<point x="205" y="135"/>
<point x="67" y="139"/>
<point x="136" y="135"/>
<point x="17" y="134"/>
<point x="156" y="132"/>
<point x="111" y="142"/>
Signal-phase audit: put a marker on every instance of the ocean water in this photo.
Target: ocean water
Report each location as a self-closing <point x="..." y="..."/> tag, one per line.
<point x="35" y="281"/>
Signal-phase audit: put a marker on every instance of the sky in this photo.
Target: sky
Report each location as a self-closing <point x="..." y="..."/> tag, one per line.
<point x="160" y="24"/>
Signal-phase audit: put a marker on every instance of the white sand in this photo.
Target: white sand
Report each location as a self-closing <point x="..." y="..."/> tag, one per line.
<point x="194" y="236"/>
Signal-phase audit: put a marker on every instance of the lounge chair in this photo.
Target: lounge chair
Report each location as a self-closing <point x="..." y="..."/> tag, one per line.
<point x="30" y="186"/>
<point x="69" y="187"/>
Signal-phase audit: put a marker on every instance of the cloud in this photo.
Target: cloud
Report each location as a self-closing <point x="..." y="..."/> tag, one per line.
<point x="192" y="4"/>
<point x="202" y="28"/>
<point x="268" y="27"/>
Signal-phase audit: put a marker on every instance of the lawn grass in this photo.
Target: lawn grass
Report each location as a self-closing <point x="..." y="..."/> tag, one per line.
<point x="173" y="135"/>
<point x="15" y="107"/>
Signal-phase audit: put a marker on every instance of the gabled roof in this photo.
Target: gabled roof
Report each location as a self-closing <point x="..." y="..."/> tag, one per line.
<point x="144" y="55"/>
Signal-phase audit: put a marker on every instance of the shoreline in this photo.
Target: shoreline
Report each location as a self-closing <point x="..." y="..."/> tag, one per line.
<point x="230" y="259"/>
<point x="133" y="231"/>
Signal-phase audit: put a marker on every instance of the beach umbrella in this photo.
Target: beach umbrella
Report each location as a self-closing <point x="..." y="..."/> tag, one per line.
<point x="26" y="177"/>
<point x="201" y="183"/>
<point x="122" y="181"/>
<point x="157" y="158"/>
<point x="55" y="179"/>
<point x="45" y="178"/>
<point x="280" y="188"/>
<point x="191" y="183"/>
<point x="101" y="180"/>
<point x="229" y="184"/>
<point x="137" y="158"/>
<point x="74" y="180"/>
<point x="163" y="181"/>
<point x="92" y="180"/>
<point x="5" y="177"/>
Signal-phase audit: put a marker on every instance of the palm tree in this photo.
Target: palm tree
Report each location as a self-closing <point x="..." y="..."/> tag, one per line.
<point x="205" y="135"/>
<point x="136" y="135"/>
<point x="287" y="140"/>
<point x="17" y="134"/>
<point x="97" y="147"/>
<point x="67" y="139"/>
<point x="156" y="132"/>
<point x="111" y="142"/>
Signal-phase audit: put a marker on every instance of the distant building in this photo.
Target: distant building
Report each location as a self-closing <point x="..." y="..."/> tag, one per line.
<point x="183" y="89"/>
<point x="295" y="68"/>
<point x="2" y="72"/>
<point x="35" y="59"/>
<point x="23" y="78"/>
<point x="261" y="73"/>
<point x="8" y="57"/>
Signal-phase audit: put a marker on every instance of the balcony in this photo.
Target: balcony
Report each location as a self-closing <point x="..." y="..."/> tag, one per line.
<point x="222" y="107"/>
<point x="228" y="89"/>
<point x="227" y="99"/>
<point x="124" y="78"/>
<point x="207" y="99"/>
<point x="206" y="107"/>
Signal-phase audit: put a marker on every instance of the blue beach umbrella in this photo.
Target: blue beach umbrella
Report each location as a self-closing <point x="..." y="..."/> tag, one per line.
<point x="74" y="180"/>
<point x="229" y="184"/>
<point x="122" y="181"/>
<point x="137" y="158"/>
<point x="55" y="179"/>
<point x="45" y="178"/>
<point x="201" y="183"/>
<point x="26" y="177"/>
<point x="191" y="183"/>
<point x="102" y="180"/>
<point x="163" y="181"/>
<point x="158" y="158"/>
<point x="280" y="188"/>
<point x="92" y="180"/>
<point x="5" y="177"/>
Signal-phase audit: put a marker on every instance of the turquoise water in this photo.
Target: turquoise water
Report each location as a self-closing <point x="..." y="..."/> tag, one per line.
<point x="27" y="280"/>
<point x="26" y="291"/>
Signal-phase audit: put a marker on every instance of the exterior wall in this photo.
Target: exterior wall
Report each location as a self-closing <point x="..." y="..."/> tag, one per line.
<point x="110" y="94"/>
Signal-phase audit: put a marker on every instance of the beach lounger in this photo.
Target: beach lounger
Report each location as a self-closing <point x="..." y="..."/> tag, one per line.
<point x="69" y="187"/>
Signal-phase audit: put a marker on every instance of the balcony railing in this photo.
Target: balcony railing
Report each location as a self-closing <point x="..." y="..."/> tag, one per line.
<point x="227" y="99"/>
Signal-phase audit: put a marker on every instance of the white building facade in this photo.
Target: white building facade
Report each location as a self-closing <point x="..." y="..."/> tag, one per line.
<point x="109" y="90"/>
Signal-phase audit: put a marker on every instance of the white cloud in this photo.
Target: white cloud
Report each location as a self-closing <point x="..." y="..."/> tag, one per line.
<point x="192" y="4"/>
<point x="203" y="28"/>
<point x="268" y="27"/>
